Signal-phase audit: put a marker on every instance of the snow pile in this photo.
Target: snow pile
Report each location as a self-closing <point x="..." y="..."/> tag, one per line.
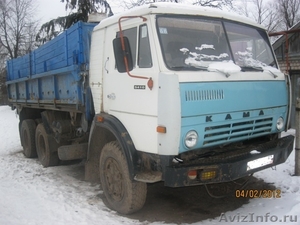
<point x="31" y="194"/>
<point x="227" y="67"/>
<point x="200" y="60"/>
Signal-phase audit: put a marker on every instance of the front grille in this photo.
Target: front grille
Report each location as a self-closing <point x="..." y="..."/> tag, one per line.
<point x="219" y="134"/>
<point x="202" y="95"/>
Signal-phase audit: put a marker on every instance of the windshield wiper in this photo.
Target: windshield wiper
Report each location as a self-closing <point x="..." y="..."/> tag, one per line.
<point x="274" y="75"/>
<point x="188" y="67"/>
<point x="257" y="68"/>
<point x="252" y="68"/>
<point x="199" y="67"/>
<point x="222" y="72"/>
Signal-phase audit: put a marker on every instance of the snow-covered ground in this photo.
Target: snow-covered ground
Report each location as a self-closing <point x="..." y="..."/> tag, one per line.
<point x="31" y="194"/>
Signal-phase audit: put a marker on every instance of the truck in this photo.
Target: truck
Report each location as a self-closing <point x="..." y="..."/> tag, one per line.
<point x="164" y="92"/>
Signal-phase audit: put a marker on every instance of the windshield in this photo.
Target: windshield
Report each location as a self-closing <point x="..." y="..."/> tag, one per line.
<point x="195" y="43"/>
<point x="250" y="46"/>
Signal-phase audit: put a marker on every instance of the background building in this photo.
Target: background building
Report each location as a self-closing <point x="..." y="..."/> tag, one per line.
<point x="287" y="50"/>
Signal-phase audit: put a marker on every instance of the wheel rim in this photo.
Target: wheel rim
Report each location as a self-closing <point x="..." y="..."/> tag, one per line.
<point x="114" y="179"/>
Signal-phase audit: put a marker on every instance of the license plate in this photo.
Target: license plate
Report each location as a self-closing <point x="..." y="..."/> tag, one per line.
<point x="260" y="162"/>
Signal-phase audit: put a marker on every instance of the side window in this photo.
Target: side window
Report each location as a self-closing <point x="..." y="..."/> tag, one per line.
<point x="144" y="54"/>
<point x="131" y="34"/>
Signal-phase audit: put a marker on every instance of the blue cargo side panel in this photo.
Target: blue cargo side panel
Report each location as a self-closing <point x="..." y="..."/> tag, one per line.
<point x="51" y="74"/>
<point x="69" y="48"/>
<point x="68" y="90"/>
<point x="18" y="68"/>
<point x="50" y="56"/>
<point x="46" y="89"/>
<point x="12" y="91"/>
<point x="33" y="90"/>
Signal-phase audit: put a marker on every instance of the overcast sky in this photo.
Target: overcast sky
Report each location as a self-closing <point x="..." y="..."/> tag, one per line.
<point x="49" y="9"/>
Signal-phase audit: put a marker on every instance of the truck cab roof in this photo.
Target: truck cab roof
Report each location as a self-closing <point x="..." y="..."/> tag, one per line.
<point x="175" y="8"/>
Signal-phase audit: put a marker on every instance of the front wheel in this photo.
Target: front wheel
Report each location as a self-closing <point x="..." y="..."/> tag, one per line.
<point x="122" y="194"/>
<point x="46" y="147"/>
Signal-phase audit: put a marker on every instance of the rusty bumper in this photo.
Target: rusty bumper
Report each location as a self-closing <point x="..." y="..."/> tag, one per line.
<point x="228" y="167"/>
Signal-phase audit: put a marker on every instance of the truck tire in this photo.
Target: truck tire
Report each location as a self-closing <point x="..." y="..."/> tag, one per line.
<point x="122" y="194"/>
<point x="46" y="147"/>
<point x="28" y="138"/>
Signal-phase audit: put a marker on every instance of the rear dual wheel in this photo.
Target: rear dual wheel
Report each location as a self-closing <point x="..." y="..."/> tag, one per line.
<point x="27" y="133"/>
<point x="46" y="147"/>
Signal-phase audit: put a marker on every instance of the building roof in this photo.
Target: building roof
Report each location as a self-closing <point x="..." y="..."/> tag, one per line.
<point x="281" y="39"/>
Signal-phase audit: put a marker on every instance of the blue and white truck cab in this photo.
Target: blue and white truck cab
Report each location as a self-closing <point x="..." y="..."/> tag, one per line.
<point x="169" y="92"/>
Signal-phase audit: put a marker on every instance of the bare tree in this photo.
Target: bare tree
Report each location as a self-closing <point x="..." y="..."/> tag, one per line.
<point x="220" y="4"/>
<point x="17" y="29"/>
<point x="261" y="11"/>
<point x="17" y="34"/>
<point x="128" y="4"/>
<point x="271" y="19"/>
<point x="289" y="10"/>
<point x="3" y="91"/>
<point x="242" y="7"/>
<point x="274" y="15"/>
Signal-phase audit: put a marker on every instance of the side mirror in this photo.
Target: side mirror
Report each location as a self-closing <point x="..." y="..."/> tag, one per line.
<point x="120" y="55"/>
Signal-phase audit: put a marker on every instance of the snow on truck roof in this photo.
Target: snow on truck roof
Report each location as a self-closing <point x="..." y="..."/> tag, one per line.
<point x="179" y="9"/>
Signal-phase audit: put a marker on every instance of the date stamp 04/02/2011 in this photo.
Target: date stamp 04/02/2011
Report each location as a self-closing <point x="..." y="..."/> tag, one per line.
<point x="253" y="193"/>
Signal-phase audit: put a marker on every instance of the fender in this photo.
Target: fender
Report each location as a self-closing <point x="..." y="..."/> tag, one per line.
<point x="106" y="128"/>
<point x="89" y="104"/>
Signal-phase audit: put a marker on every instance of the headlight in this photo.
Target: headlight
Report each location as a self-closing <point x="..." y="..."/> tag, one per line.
<point x="191" y="139"/>
<point x="280" y="123"/>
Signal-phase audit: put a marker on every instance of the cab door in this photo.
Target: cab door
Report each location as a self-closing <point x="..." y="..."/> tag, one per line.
<point x="128" y="97"/>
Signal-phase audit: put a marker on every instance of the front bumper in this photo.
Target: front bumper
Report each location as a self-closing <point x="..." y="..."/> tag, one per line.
<point x="230" y="165"/>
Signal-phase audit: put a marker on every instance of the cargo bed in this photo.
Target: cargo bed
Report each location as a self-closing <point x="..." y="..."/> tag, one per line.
<point x="54" y="75"/>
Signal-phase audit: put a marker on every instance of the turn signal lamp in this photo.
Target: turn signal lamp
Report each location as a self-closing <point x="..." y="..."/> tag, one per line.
<point x="161" y="129"/>
<point x="208" y="174"/>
